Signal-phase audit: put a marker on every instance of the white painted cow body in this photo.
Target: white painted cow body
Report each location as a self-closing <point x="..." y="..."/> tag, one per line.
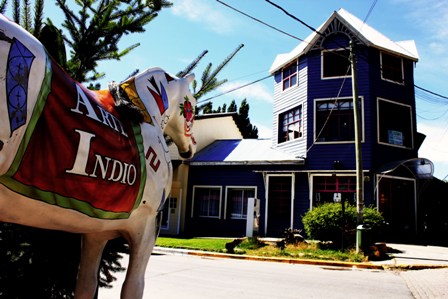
<point x="52" y="170"/>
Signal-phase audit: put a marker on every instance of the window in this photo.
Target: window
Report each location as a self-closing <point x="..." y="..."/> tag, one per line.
<point x="207" y="201"/>
<point x="289" y="75"/>
<point x="168" y="208"/>
<point x="394" y="124"/>
<point x="336" y="63"/>
<point x="237" y="201"/>
<point x="290" y="125"/>
<point x="334" y="189"/>
<point x="392" y="68"/>
<point x="335" y="120"/>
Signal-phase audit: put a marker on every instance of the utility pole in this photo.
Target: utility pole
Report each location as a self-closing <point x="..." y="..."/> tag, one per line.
<point x="358" y="153"/>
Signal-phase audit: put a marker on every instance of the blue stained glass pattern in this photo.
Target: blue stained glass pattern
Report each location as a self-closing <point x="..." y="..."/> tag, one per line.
<point x="17" y="76"/>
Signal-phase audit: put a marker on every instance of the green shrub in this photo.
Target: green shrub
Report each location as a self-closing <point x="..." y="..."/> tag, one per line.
<point x="325" y="223"/>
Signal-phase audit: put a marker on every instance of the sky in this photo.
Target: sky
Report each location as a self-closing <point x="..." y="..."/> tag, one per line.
<point x="180" y="33"/>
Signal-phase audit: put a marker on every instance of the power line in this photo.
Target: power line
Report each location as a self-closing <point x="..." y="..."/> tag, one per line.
<point x="294" y="17"/>
<point x="431" y="92"/>
<point x="234" y="89"/>
<point x="259" y="21"/>
<point x="370" y="11"/>
<point x="297" y="38"/>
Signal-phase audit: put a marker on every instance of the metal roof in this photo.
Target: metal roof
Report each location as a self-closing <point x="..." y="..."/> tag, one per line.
<point x="243" y="151"/>
<point x="364" y="32"/>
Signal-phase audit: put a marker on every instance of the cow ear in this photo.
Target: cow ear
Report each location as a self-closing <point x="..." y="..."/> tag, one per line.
<point x="190" y="78"/>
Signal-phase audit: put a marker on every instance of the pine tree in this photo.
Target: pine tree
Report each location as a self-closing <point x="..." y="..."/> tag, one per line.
<point x="249" y="130"/>
<point x="94" y="32"/>
<point x="243" y="121"/>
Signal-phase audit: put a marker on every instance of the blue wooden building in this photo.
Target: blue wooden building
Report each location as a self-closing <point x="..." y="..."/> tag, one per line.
<point x="311" y="157"/>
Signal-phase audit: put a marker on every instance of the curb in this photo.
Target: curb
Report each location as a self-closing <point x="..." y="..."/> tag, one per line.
<point x="175" y="251"/>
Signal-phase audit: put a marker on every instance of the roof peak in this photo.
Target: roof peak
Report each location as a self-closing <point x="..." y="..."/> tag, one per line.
<point x="345" y="22"/>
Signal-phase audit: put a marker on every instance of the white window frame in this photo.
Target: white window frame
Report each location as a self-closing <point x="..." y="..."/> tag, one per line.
<point x="226" y="201"/>
<point x="334" y="99"/>
<point x="280" y="124"/>
<point x="322" y="65"/>
<point x="378" y="123"/>
<point x="220" y="200"/>
<point x="381" y="68"/>
<point x="296" y="63"/>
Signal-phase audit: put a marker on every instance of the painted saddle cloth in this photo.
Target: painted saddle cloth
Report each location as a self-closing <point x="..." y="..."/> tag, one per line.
<point x="77" y="153"/>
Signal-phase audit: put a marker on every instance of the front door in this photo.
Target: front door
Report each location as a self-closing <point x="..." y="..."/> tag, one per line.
<point x="279" y="204"/>
<point x="396" y="203"/>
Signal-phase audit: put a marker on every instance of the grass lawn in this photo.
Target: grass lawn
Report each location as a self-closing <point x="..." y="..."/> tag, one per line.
<point x="251" y="246"/>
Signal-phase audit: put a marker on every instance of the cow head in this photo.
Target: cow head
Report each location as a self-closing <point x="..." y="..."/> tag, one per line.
<point x="166" y="101"/>
<point x="180" y="120"/>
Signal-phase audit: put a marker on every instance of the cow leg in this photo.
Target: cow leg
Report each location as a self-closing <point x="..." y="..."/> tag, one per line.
<point x="91" y="251"/>
<point x="141" y="240"/>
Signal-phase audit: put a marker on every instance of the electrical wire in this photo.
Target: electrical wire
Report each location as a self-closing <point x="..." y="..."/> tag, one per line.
<point x="294" y="17"/>
<point x="233" y="89"/>
<point x="260" y="21"/>
<point x="425" y="97"/>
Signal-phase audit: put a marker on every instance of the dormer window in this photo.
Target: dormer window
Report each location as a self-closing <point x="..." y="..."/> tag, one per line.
<point x="289" y="75"/>
<point x="336" y="63"/>
<point x="290" y="125"/>
<point x="392" y="68"/>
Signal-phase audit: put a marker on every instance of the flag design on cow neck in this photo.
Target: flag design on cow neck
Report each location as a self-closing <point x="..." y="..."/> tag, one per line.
<point x="159" y="95"/>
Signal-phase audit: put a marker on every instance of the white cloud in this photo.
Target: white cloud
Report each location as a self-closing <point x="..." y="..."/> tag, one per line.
<point x="435" y="147"/>
<point x="254" y="92"/>
<point x="201" y="12"/>
<point x="263" y="130"/>
<point x="432" y="16"/>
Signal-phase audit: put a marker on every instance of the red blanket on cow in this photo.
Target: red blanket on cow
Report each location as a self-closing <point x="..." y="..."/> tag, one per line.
<point x="78" y="154"/>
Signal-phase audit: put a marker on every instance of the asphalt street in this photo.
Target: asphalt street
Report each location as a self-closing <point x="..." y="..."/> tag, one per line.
<point x="177" y="274"/>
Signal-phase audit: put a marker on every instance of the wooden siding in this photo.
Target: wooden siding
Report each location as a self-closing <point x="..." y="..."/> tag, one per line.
<point x="321" y="155"/>
<point x="301" y="200"/>
<point x="220" y="176"/>
<point x="285" y="100"/>
<point x="400" y="93"/>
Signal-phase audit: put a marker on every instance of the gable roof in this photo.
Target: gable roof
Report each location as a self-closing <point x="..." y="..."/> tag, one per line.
<point x="360" y="30"/>
<point x="243" y="152"/>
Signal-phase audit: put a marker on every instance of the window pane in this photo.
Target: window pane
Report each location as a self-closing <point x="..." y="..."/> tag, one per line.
<point x="336" y="63"/>
<point x="290" y="125"/>
<point x="391" y="68"/>
<point x="335" y="120"/>
<point x="395" y="124"/>
<point x="289" y="75"/>
<point x="207" y="200"/>
<point x="238" y="202"/>
<point x="293" y="80"/>
<point x="331" y="188"/>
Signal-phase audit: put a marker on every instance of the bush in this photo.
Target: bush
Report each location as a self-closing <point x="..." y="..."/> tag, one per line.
<point x="325" y="223"/>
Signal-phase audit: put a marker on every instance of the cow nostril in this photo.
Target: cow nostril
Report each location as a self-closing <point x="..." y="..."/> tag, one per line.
<point x="185" y="155"/>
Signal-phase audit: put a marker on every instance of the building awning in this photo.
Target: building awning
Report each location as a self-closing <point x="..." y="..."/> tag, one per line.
<point x="420" y="168"/>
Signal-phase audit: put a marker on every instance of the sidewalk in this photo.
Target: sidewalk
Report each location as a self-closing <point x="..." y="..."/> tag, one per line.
<point x="416" y="256"/>
<point x="402" y="256"/>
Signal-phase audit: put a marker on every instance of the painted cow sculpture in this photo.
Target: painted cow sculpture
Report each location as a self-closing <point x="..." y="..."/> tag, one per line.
<point x="89" y="162"/>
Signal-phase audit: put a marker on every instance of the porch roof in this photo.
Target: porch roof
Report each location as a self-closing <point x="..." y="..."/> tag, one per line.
<point x="420" y="168"/>
<point x="243" y="152"/>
